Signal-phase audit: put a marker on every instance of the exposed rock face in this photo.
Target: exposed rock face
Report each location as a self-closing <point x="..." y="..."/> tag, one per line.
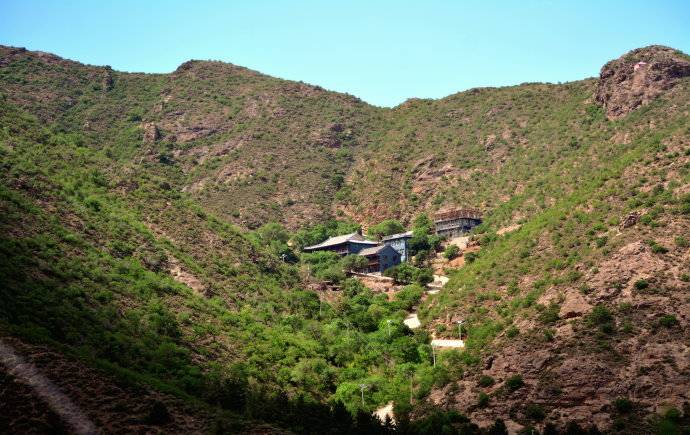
<point x="151" y="133"/>
<point x="630" y="220"/>
<point x="638" y="77"/>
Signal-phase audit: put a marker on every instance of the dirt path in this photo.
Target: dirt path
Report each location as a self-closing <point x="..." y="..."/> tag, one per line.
<point x="385" y="411"/>
<point x="45" y="391"/>
<point x="58" y="402"/>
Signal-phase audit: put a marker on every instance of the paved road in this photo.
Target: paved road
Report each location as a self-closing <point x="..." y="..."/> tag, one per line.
<point x="438" y="342"/>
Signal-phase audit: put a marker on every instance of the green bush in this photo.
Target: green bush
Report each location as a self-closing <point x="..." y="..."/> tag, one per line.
<point x="470" y="257"/>
<point x="534" y="411"/>
<point x="622" y="405"/>
<point x="483" y="400"/>
<point x="386" y="228"/>
<point x="601" y="317"/>
<point x="408" y="297"/>
<point x="549" y="315"/>
<point x="685" y="204"/>
<point x="668" y="321"/>
<point x="353" y="262"/>
<point x="641" y="284"/>
<point x="486" y="381"/>
<point x="406" y="273"/>
<point x="514" y="382"/>
<point x="657" y="248"/>
<point x="451" y="251"/>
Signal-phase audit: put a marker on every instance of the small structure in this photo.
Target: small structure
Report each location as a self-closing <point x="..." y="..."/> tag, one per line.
<point x="453" y="223"/>
<point x="380" y="258"/>
<point x="400" y="243"/>
<point x="343" y="245"/>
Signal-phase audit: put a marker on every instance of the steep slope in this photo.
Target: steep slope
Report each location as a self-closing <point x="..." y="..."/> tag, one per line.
<point x="588" y="300"/>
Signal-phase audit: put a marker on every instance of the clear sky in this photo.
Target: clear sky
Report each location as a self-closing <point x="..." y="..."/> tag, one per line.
<point x="381" y="51"/>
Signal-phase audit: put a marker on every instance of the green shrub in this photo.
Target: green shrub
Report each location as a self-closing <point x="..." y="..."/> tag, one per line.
<point x="622" y="405"/>
<point x="486" y="381"/>
<point x="673" y="414"/>
<point x="534" y="411"/>
<point x="601" y="317"/>
<point x="682" y="242"/>
<point x="514" y="383"/>
<point x="451" y="251"/>
<point x="685" y="204"/>
<point x="657" y="248"/>
<point x="470" y="257"/>
<point x="512" y="331"/>
<point x="549" y="315"/>
<point x="668" y="320"/>
<point x="353" y="262"/>
<point x="406" y="274"/>
<point x="641" y="284"/>
<point x="483" y="400"/>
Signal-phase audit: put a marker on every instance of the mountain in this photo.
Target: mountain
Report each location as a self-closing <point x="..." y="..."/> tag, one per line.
<point x="134" y="243"/>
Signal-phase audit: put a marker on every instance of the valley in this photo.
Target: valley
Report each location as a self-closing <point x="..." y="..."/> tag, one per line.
<point x="153" y="266"/>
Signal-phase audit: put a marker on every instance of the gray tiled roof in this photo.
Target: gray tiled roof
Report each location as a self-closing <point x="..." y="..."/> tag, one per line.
<point x="397" y="236"/>
<point x="337" y="240"/>
<point x="371" y="251"/>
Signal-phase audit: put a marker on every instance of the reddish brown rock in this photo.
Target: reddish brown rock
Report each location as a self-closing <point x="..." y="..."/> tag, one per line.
<point x="638" y="77"/>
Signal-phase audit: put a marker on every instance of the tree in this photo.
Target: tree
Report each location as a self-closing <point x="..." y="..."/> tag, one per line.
<point x="386" y="228"/>
<point x="353" y="262"/>
<point x="422" y="224"/>
<point x="273" y="232"/>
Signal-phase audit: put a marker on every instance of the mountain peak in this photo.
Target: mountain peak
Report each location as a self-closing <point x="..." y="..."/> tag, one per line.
<point x="638" y="77"/>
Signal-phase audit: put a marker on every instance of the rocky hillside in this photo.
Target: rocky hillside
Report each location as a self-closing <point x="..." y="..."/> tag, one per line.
<point x="581" y="315"/>
<point x="126" y="201"/>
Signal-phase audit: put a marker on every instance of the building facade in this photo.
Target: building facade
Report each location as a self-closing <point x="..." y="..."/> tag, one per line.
<point x="380" y="258"/>
<point x="400" y="242"/>
<point x="454" y="223"/>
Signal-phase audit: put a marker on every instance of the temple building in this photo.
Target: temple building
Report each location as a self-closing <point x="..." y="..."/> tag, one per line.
<point x="453" y="223"/>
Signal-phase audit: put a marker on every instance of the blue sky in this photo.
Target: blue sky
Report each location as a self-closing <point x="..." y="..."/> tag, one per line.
<point x="381" y="51"/>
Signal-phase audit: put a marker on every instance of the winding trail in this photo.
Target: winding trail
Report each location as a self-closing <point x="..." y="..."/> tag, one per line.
<point x="28" y="374"/>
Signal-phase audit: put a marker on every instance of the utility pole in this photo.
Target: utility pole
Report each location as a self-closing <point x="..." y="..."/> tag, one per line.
<point x="411" y="386"/>
<point x="362" y="387"/>
<point x="460" y="322"/>
<point x="388" y="322"/>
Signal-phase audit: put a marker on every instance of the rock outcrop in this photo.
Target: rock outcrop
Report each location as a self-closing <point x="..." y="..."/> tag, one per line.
<point x="638" y="77"/>
<point x="151" y="132"/>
